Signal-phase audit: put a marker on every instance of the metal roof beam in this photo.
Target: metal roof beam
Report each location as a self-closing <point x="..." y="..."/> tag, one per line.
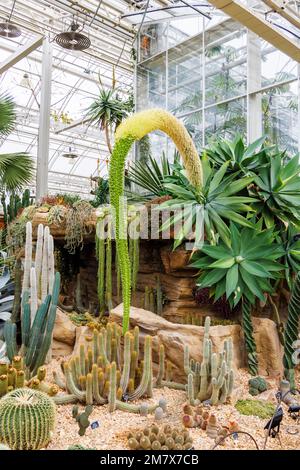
<point x="20" y="53"/>
<point x="256" y="23"/>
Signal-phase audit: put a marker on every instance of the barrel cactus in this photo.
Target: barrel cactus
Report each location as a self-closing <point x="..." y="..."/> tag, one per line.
<point x="27" y="418"/>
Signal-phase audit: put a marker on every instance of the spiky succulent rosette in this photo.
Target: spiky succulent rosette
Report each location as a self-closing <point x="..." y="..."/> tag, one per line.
<point x="132" y="129"/>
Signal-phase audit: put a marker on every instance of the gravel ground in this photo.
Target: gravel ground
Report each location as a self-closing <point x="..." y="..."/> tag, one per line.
<point x="114" y="427"/>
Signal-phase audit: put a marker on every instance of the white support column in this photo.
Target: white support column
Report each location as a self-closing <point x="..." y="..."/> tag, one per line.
<point x="44" y="122"/>
<point x="254" y="111"/>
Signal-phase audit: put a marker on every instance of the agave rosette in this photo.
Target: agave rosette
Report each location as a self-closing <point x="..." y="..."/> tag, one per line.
<point x="219" y="200"/>
<point x="243" y="269"/>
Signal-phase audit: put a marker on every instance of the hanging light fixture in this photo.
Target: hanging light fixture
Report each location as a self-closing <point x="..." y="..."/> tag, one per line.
<point x="9" y="29"/>
<point x="73" y="40"/>
<point x="70" y="154"/>
<point x="25" y="81"/>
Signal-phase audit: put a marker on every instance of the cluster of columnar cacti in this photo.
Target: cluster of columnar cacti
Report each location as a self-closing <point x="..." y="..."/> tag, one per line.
<point x="82" y="418"/>
<point x="154" y="298"/>
<point x="213" y="378"/>
<point x="291" y="333"/>
<point x="40" y="294"/>
<point x="132" y="129"/>
<point x="13" y="376"/>
<point x="164" y="438"/>
<point x="27" y="418"/>
<point x="104" y="256"/>
<point x="99" y="375"/>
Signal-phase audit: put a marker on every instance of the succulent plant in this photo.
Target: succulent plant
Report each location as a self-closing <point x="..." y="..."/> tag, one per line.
<point x="40" y="293"/>
<point x="12" y="376"/>
<point x="82" y="418"/>
<point x="27" y="418"/>
<point x="160" y="438"/>
<point x="257" y="385"/>
<point x="212" y="379"/>
<point x="98" y="375"/>
<point x="291" y="333"/>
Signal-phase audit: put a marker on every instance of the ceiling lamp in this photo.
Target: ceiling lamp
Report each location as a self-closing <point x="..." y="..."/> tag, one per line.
<point x="73" y="40"/>
<point x="71" y="154"/>
<point x="8" y="29"/>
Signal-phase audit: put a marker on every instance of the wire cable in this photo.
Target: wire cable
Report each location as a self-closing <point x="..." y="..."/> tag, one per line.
<point x="231" y="434"/>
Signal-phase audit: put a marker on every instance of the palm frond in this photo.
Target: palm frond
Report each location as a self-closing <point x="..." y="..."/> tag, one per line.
<point x="16" y="170"/>
<point x="7" y="114"/>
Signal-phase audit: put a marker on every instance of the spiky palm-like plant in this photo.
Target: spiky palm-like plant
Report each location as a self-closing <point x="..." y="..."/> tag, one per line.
<point x="107" y="112"/>
<point x="16" y="169"/>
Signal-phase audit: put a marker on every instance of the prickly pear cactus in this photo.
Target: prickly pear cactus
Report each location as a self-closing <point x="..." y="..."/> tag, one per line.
<point x="27" y="418"/>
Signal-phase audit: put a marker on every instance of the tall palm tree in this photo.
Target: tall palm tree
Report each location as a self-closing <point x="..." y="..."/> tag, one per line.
<point x="16" y="169"/>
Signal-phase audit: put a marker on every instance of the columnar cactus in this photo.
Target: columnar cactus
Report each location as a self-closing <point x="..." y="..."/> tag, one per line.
<point x="132" y="129"/>
<point x="27" y="418"/>
<point x="36" y="338"/>
<point x="212" y="379"/>
<point x="98" y="375"/>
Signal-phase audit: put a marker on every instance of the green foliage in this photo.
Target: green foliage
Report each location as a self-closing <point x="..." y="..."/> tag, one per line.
<point x="27" y="419"/>
<point x="277" y="186"/>
<point x="240" y="157"/>
<point x="218" y="200"/>
<point x="150" y="177"/>
<point x="242" y="269"/>
<point x="101" y="193"/>
<point x="291" y="332"/>
<point x="16" y="169"/>
<point x="260" y="408"/>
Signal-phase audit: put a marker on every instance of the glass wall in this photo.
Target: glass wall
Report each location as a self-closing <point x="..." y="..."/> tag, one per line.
<point x="220" y="80"/>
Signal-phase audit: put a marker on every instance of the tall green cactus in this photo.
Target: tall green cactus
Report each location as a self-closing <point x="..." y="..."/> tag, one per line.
<point x="291" y="333"/>
<point x="249" y="340"/>
<point x="36" y="338"/>
<point x="27" y="418"/>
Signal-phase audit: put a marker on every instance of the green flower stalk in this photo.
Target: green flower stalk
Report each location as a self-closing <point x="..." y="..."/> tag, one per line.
<point x="132" y="129"/>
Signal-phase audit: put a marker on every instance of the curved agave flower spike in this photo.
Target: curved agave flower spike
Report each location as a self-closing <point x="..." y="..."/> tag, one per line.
<point x="132" y="129"/>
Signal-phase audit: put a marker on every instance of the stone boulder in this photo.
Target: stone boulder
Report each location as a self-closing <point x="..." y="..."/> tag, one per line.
<point x="64" y="335"/>
<point x="175" y="336"/>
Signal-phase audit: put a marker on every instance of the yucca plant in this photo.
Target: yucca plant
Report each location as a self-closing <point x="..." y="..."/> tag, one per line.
<point x="219" y="199"/>
<point x="277" y="186"/>
<point x="240" y="157"/>
<point x="16" y="169"/>
<point x="149" y="176"/>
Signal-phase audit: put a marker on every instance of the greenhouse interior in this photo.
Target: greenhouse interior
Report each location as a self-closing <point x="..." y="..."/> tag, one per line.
<point x="150" y="226"/>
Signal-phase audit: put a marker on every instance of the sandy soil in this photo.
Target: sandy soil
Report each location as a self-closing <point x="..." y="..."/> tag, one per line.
<point x="114" y="427"/>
